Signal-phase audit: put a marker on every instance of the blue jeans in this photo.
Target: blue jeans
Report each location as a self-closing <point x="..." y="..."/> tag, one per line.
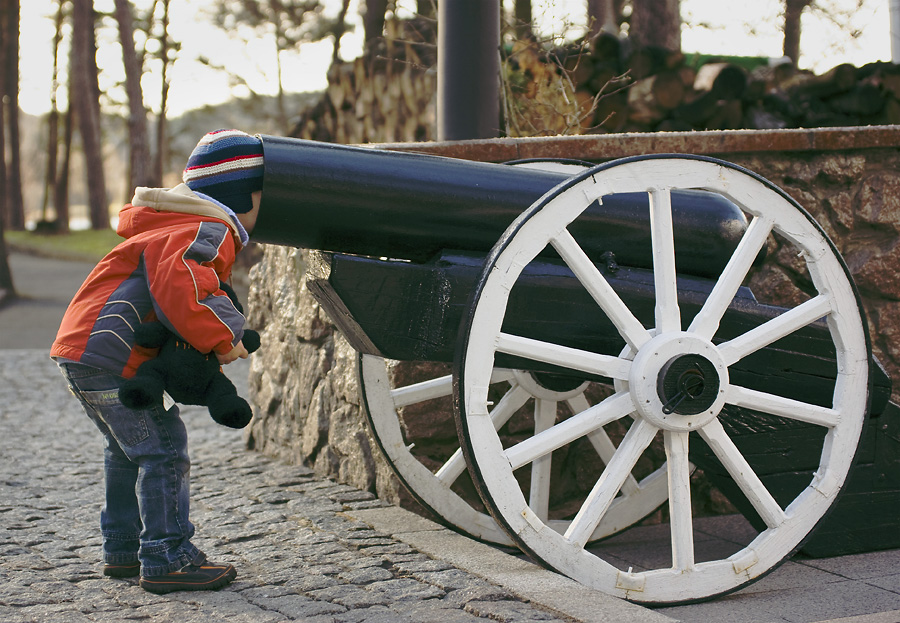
<point x="147" y="469"/>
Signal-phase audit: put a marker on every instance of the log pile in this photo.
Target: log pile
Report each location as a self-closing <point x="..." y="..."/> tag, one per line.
<point x="386" y="95"/>
<point x="664" y="92"/>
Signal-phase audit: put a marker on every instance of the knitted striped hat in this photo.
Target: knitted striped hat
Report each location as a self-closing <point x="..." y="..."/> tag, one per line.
<point x="226" y="165"/>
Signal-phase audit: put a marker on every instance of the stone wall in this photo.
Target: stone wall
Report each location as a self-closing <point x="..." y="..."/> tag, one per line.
<point x="303" y="378"/>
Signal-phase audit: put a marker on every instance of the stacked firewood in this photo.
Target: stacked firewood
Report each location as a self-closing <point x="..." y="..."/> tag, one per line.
<point x="656" y="90"/>
<point x="388" y="94"/>
<point x="385" y="95"/>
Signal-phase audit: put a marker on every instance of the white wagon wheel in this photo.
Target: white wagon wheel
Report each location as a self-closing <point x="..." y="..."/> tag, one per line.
<point x="383" y="402"/>
<point x="643" y="372"/>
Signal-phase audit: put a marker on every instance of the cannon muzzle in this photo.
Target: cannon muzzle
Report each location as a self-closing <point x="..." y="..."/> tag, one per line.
<point x="403" y="205"/>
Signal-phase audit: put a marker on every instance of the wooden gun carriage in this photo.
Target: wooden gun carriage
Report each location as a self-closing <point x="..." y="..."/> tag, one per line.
<point x="613" y="302"/>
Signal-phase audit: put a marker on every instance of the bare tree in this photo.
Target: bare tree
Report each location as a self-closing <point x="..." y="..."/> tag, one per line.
<point x="426" y="8"/>
<point x="139" y="170"/>
<point x="15" y="203"/>
<point x="793" y="10"/>
<point x="6" y="280"/>
<point x="166" y="49"/>
<point x="522" y="18"/>
<point x="604" y="16"/>
<point x="373" y="19"/>
<point x="837" y="12"/>
<point x="656" y="23"/>
<point x="53" y="125"/>
<point x="292" y="22"/>
<point x="87" y="108"/>
<point x="61" y="186"/>
<point x="340" y="27"/>
<point x="7" y="287"/>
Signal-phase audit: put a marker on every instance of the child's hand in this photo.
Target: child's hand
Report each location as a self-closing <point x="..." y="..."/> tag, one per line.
<point x="238" y="352"/>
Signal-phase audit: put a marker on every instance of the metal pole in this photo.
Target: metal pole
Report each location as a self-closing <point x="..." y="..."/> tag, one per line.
<point x="895" y="30"/>
<point x="468" y="92"/>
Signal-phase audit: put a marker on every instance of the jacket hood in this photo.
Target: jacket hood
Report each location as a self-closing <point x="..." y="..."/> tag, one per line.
<point x="153" y="207"/>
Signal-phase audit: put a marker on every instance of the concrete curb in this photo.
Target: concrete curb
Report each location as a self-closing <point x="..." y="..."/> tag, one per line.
<point x="525" y="579"/>
<point x="881" y="617"/>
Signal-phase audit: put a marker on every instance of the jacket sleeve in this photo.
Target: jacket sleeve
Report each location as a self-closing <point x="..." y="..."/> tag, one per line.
<point x="183" y="272"/>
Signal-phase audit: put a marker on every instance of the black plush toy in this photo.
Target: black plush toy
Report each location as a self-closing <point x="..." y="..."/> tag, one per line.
<point x="189" y="376"/>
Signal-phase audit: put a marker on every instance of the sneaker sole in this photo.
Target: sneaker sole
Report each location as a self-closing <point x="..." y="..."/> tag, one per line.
<point x="122" y="571"/>
<point x="169" y="586"/>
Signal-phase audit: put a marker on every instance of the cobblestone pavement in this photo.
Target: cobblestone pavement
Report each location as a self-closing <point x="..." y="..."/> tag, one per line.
<point x="298" y="555"/>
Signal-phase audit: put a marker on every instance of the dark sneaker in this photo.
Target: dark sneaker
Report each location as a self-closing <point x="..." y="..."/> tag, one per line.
<point x="200" y="575"/>
<point x="123" y="570"/>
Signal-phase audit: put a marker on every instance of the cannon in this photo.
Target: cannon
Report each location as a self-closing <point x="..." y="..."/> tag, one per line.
<point x="611" y="305"/>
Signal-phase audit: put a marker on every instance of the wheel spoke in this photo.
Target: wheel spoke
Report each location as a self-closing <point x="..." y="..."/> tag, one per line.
<point x="452" y="469"/>
<point x="539" y="497"/>
<point x="603" y="445"/>
<point x="707" y="320"/>
<point x="420" y="392"/>
<point x="578" y="404"/>
<point x="606" y="449"/>
<point x="742" y="474"/>
<point x="595" y="283"/>
<point x="435" y="388"/>
<point x="610" y="482"/>
<point x="681" y="523"/>
<point x="511" y="402"/>
<point x="782" y="407"/>
<point x="775" y="329"/>
<point x="577" y="426"/>
<point x="572" y="358"/>
<point x="668" y="316"/>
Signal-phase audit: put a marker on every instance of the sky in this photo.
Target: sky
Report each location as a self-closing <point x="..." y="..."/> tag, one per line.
<point x="729" y="27"/>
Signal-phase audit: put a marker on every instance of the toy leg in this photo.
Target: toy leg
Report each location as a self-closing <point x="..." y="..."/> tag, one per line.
<point x="224" y="404"/>
<point x="144" y="389"/>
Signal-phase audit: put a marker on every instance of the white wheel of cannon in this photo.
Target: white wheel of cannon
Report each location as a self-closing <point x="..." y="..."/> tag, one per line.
<point x="672" y="379"/>
<point x="516" y="390"/>
<point x="383" y="403"/>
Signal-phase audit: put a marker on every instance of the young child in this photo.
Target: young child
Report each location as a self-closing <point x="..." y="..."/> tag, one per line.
<point x="179" y="243"/>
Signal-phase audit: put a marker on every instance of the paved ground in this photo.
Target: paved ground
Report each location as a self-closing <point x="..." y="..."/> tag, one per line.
<point x="45" y="287"/>
<point x="306" y="548"/>
<point x="300" y="552"/>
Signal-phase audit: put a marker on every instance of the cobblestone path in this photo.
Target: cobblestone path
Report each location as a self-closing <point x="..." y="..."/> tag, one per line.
<point x="299" y="557"/>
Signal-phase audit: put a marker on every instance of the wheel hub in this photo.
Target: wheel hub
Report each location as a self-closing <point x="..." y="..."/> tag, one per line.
<point x="678" y="381"/>
<point x="687" y="385"/>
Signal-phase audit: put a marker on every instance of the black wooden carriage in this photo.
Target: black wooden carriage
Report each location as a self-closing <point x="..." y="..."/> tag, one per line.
<point x="613" y="302"/>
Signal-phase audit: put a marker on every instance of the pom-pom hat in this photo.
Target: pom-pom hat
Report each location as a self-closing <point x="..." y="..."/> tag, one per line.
<point x="226" y="165"/>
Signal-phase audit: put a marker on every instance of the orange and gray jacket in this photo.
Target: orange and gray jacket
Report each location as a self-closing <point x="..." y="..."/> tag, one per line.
<point x="177" y="248"/>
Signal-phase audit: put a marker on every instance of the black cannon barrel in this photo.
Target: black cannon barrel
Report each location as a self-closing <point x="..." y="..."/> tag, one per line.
<point x="405" y="205"/>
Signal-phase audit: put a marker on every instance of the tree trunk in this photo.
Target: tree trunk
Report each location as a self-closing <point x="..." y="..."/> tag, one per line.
<point x="53" y="123"/>
<point x="656" y="23"/>
<point x="161" y="138"/>
<point x="52" y="160"/>
<point x="522" y="18"/>
<point x="7" y="288"/>
<point x="87" y="108"/>
<point x="282" y="107"/>
<point x="61" y="187"/>
<point x="603" y="16"/>
<point x="6" y="280"/>
<point x="340" y="27"/>
<point x="373" y="20"/>
<point x="426" y="8"/>
<point x="15" y="205"/>
<point x="793" y="10"/>
<point x="139" y="173"/>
